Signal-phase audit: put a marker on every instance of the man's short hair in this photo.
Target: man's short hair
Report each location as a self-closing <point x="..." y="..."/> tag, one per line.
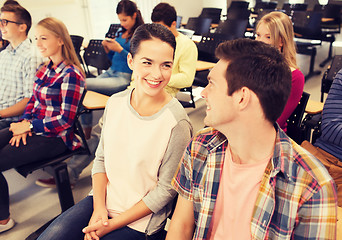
<point x="261" y="68"/>
<point x="165" y="13"/>
<point x="21" y="14"/>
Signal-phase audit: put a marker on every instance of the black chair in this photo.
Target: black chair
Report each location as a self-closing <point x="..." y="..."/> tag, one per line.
<point x="191" y="101"/>
<point x="331" y="25"/>
<point x="77" y="43"/>
<point x="206" y="52"/>
<point x="238" y="13"/>
<point x="239" y="4"/>
<point x="95" y="56"/>
<point x="311" y="126"/>
<point x="179" y="21"/>
<point x="294" y="129"/>
<point x="213" y="13"/>
<point x="232" y="28"/>
<point x="306" y="26"/>
<point x="261" y="6"/>
<point x="113" y="28"/>
<point x="290" y="8"/>
<point x="330" y="74"/>
<point x="201" y="26"/>
<point x="60" y="170"/>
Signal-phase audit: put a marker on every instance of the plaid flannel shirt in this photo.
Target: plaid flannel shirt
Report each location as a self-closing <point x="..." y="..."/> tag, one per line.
<point x="53" y="106"/>
<point x="297" y="196"/>
<point x="17" y="71"/>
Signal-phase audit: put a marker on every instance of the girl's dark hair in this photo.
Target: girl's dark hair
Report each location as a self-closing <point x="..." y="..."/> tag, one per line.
<point x="148" y="32"/>
<point x="128" y="8"/>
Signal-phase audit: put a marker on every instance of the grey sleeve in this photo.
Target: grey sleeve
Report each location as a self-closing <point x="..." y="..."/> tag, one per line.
<point x="98" y="166"/>
<point x="163" y="193"/>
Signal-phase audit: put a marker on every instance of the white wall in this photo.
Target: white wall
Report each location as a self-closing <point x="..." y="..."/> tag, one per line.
<point x="71" y="12"/>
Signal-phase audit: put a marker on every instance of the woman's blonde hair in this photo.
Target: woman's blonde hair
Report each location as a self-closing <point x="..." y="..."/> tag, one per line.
<point x="281" y="30"/>
<point x="59" y="29"/>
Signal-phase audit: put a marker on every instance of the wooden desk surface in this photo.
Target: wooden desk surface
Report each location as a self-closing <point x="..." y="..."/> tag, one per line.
<point x="202" y="65"/>
<point x="314" y="107"/>
<point x="94" y="100"/>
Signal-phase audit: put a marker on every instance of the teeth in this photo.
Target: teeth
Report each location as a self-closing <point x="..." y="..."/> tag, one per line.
<point x="153" y="82"/>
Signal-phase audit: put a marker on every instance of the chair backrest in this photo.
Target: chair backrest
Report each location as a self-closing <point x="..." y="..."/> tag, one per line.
<point x="288" y="7"/>
<point x="239" y="4"/>
<point x="307" y="24"/>
<point x="77" y="43"/>
<point x="113" y="28"/>
<point x="330" y="11"/>
<point x="238" y="13"/>
<point x="201" y="26"/>
<point x="179" y="21"/>
<point x="213" y="13"/>
<point x="95" y="55"/>
<point x="261" y="6"/>
<point x="206" y="47"/>
<point x="330" y="73"/>
<point x="232" y="28"/>
<point x="294" y="121"/>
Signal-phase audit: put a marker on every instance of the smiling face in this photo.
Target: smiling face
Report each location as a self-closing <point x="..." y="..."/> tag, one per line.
<point x="127" y="22"/>
<point x="221" y="108"/>
<point x="49" y="45"/>
<point x="152" y="66"/>
<point x="12" y="31"/>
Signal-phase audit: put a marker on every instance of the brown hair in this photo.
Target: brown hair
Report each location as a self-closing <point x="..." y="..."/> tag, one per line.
<point x="58" y="28"/>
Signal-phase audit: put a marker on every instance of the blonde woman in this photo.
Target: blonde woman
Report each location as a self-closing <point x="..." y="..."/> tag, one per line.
<point x="276" y="29"/>
<point x="46" y="127"/>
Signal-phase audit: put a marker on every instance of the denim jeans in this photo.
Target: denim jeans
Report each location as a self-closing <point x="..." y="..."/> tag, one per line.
<point x="107" y="83"/>
<point x="69" y="225"/>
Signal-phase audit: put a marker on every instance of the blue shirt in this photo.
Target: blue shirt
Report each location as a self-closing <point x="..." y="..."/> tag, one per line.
<point x="331" y="138"/>
<point x="119" y="60"/>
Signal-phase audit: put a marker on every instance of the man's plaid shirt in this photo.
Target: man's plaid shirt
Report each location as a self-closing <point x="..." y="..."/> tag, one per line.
<point x="297" y="196"/>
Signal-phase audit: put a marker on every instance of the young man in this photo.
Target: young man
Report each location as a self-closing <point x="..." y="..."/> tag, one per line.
<point x="328" y="147"/>
<point x="244" y="178"/>
<point x="18" y="62"/>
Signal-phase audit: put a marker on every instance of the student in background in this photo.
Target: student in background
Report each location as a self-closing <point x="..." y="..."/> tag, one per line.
<point x="118" y="76"/>
<point x="184" y="65"/>
<point x="328" y="147"/>
<point x="145" y="131"/>
<point x="243" y="178"/>
<point x="46" y="129"/>
<point x="18" y="62"/>
<point x="276" y="28"/>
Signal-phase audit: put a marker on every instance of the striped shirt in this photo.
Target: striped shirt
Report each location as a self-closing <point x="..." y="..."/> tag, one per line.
<point x="18" y="67"/>
<point x="52" y="108"/>
<point x="297" y="196"/>
<point x="331" y="138"/>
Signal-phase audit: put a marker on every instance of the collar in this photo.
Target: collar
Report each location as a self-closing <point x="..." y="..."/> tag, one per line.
<point x="282" y="161"/>
<point x="19" y="48"/>
<point x="58" y="68"/>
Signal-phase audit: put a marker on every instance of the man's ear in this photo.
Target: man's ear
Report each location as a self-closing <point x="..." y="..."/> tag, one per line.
<point x="244" y="97"/>
<point x="22" y="28"/>
<point x="174" y="24"/>
<point x="130" y="61"/>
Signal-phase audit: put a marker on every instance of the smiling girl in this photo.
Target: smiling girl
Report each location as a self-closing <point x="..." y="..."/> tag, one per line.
<point x="144" y="134"/>
<point x="46" y="129"/>
<point x="276" y="29"/>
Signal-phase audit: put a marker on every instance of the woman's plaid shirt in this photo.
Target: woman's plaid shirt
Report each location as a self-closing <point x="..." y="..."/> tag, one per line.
<point x="53" y="106"/>
<point x="297" y="196"/>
